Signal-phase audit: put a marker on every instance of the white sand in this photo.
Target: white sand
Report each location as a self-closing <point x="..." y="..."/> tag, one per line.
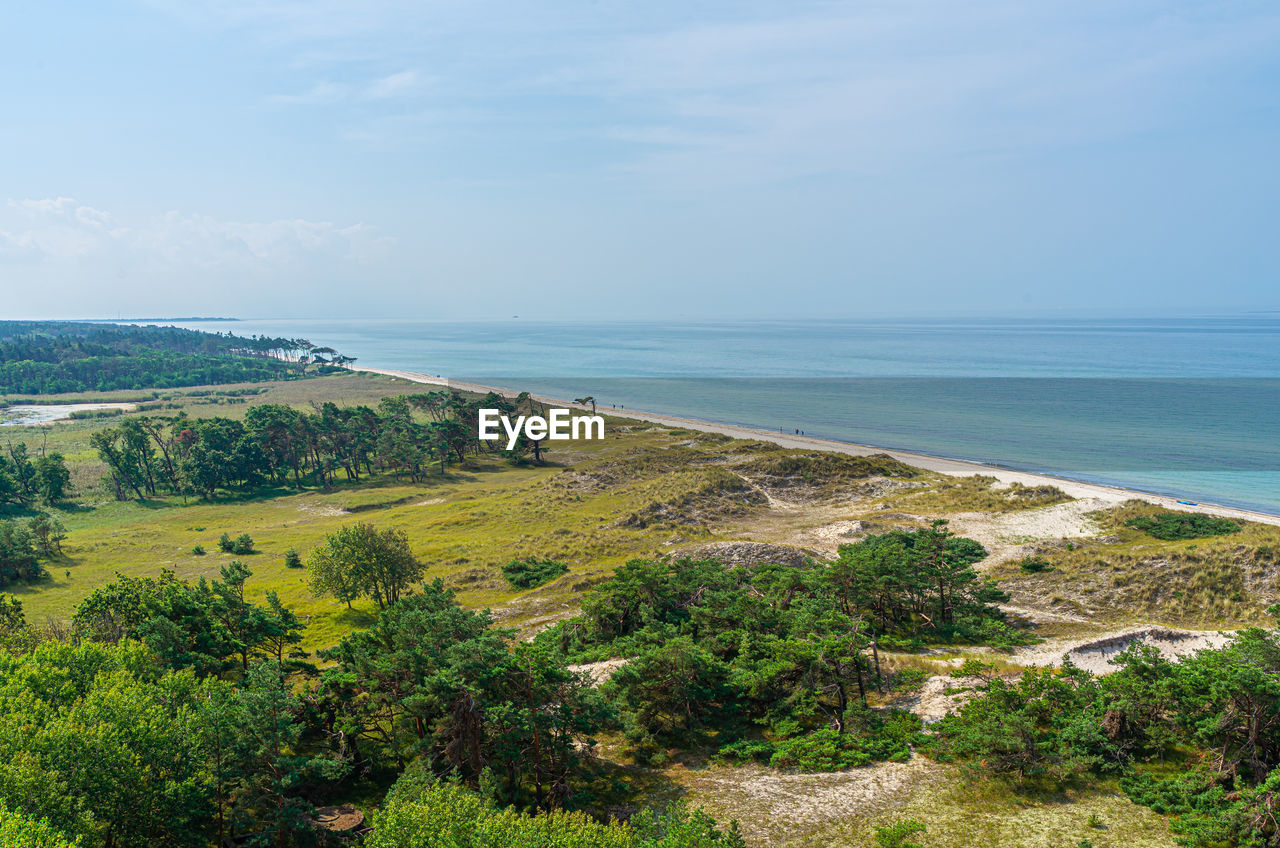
<point x="1095" y="653"/>
<point x="1104" y="495"/>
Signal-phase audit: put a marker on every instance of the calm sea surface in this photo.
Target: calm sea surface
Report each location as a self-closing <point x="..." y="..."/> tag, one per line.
<point x="1188" y="407"/>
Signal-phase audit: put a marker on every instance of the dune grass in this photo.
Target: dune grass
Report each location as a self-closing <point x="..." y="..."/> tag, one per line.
<point x="980" y="493"/>
<point x="1129" y="576"/>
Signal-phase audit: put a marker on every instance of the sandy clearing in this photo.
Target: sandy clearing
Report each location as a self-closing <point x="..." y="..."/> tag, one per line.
<point x="940" y="695"/>
<point x="1107" y="495"/>
<point x="839" y="533"/>
<point x="323" y="509"/>
<point x="598" y="672"/>
<point x="770" y="805"/>
<point x="1094" y="654"/>
<point x="1068" y="520"/>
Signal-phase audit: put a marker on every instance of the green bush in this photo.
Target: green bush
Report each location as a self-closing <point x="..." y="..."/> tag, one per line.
<point x="869" y="735"/>
<point x="242" y="545"/>
<point x="1172" y="526"/>
<point x="1035" y="565"/>
<point x="198" y="550"/>
<point x="225" y="544"/>
<point x="746" y="751"/>
<point x="898" y="834"/>
<point x="444" y="814"/>
<point x="531" y="571"/>
<point x="909" y="679"/>
<point x="292" y="559"/>
<point x="822" y="750"/>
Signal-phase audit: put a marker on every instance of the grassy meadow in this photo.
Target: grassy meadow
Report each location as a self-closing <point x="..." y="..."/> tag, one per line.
<point x="592" y="506"/>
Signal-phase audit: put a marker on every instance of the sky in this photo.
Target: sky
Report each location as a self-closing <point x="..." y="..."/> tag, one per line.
<point x="599" y="159"/>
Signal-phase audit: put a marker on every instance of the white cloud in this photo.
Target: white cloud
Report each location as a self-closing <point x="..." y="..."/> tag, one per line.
<point x="60" y="231"/>
<point x="392" y="85"/>
<point x="321" y="92"/>
<point x="325" y="92"/>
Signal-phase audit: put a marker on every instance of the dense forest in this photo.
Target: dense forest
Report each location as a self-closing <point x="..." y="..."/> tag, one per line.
<point x="50" y="357"/>
<point x="181" y="714"/>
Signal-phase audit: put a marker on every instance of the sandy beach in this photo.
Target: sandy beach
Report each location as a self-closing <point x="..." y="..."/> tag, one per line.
<point x="954" y="467"/>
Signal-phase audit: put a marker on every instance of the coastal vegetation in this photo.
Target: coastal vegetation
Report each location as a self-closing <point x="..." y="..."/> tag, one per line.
<point x="51" y="357"/>
<point x="1172" y="526"/>
<point x="634" y="642"/>
<point x="277" y="445"/>
<point x="1214" y="716"/>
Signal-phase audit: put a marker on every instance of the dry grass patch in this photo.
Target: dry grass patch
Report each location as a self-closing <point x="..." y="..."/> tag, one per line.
<point x="980" y="493"/>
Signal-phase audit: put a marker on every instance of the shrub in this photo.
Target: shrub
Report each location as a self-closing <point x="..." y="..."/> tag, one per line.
<point x="897" y="835"/>
<point x="225" y="544"/>
<point x="869" y="735"/>
<point x="1035" y="565"/>
<point x="446" y="814"/>
<point x="1173" y="526"/>
<point x="822" y="750"/>
<point x="19" y="555"/>
<point x="198" y="550"/>
<point x="21" y="831"/>
<point x="243" y="545"/>
<point x="531" y="571"/>
<point x="909" y="679"/>
<point x="746" y="750"/>
<point x="292" y="559"/>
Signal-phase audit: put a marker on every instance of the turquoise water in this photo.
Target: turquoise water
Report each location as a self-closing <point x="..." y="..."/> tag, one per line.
<point x="1187" y="407"/>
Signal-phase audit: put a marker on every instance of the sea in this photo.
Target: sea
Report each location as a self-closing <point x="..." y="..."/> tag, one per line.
<point x="1188" y="407"/>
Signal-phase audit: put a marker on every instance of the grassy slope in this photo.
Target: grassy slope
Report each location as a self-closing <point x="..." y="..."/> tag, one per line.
<point x="1126" y="576"/>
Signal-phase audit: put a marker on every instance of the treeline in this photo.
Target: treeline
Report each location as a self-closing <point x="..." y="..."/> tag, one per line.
<point x="775" y="663"/>
<point x="181" y="714"/>
<point x="49" y="357"/>
<point x="1197" y="739"/>
<point x="275" y="445"/>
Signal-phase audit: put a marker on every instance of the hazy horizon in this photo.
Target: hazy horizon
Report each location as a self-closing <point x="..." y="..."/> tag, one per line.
<point x="732" y="161"/>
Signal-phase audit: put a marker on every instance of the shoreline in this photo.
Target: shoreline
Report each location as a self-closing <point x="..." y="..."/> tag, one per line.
<point x="942" y="465"/>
